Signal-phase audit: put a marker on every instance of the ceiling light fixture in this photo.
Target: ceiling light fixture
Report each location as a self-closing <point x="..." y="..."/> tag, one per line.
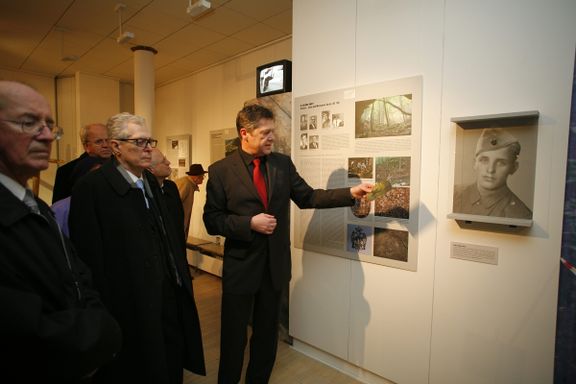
<point x="61" y="31"/>
<point x="123" y="37"/>
<point x="198" y="7"/>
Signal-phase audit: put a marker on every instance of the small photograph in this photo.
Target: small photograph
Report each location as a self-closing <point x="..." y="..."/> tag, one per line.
<point x="313" y="142"/>
<point x="303" y="122"/>
<point x="313" y="122"/>
<point x="361" y="208"/>
<point x="182" y="163"/>
<point x="325" y="119"/>
<point x="174" y="144"/>
<point x="337" y="120"/>
<point x="271" y="79"/>
<point x="389" y="116"/>
<point x="359" y="239"/>
<point x="360" y="167"/>
<point x="391" y="192"/>
<point x="303" y="141"/>
<point x="391" y="244"/>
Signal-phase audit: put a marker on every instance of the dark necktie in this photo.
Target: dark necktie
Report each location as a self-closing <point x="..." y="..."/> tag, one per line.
<point x="259" y="182"/>
<point x="31" y="202"/>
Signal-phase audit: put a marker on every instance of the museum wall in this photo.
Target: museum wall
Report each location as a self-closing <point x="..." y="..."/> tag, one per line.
<point x="208" y="101"/>
<point x="451" y="321"/>
<point x="372" y="316"/>
<point x="496" y="323"/>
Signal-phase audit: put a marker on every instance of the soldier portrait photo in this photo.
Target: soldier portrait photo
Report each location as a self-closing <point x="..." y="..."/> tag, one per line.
<point x="496" y="162"/>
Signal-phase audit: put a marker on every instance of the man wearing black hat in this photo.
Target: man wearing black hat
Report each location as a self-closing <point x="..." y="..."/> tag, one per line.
<point x="496" y="158"/>
<point x="187" y="185"/>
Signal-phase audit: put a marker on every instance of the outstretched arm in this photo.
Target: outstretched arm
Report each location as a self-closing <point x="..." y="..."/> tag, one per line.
<point x="361" y="190"/>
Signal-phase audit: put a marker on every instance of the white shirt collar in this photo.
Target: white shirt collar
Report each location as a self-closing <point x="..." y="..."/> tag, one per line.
<point x="13" y="186"/>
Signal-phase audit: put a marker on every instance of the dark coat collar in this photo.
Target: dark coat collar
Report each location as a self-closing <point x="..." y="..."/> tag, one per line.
<point x="118" y="182"/>
<point x="11" y="207"/>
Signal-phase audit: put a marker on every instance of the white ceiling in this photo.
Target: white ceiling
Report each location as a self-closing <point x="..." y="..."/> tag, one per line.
<point x="39" y="36"/>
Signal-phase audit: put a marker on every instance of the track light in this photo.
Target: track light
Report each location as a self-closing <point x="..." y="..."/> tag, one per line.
<point x="198" y="7"/>
<point x="123" y="37"/>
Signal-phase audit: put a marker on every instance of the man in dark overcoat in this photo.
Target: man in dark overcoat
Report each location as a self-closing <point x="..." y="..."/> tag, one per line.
<point x="53" y="327"/>
<point x="160" y="168"/>
<point x="94" y="138"/>
<point x="120" y="225"/>
<point x="248" y="201"/>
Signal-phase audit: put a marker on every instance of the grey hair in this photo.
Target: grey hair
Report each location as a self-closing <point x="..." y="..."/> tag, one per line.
<point x="84" y="132"/>
<point x="118" y="124"/>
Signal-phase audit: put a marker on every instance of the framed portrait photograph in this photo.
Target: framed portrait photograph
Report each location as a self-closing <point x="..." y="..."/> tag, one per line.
<point x="494" y="168"/>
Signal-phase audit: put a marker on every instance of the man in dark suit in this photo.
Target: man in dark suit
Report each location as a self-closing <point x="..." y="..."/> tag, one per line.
<point x="94" y="138"/>
<point x="248" y="202"/>
<point x="53" y="327"/>
<point x="160" y="168"/>
<point x="120" y="224"/>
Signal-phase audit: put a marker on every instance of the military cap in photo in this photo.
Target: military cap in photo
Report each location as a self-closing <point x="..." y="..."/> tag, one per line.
<point x="494" y="138"/>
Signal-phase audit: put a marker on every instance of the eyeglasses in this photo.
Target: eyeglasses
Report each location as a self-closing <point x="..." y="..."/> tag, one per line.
<point x="100" y="142"/>
<point x="142" y="143"/>
<point x="35" y="127"/>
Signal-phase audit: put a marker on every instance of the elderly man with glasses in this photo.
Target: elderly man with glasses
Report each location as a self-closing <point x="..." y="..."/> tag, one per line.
<point x="53" y="326"/>
<point x="121" y="226"/>
<point x="94" y="138"/>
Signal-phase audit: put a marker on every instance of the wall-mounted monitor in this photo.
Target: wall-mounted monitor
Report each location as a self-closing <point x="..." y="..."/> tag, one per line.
<point x="273" y="78"/>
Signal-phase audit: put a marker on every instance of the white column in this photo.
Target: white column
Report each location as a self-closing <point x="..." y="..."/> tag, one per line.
<point x="144" y="83"/>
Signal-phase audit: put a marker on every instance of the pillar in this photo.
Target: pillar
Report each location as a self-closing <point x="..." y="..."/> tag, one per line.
<point x="144" y="83"/>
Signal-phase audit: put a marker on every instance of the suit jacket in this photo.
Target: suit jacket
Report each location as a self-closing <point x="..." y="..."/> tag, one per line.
<point x="174" y="205"/>
<point x="53" y="326"/>
<point x="232" y="200"/>
<point x="63" y="182"/>
<point x="111" y="226"/>
<point x="186" y="189"/>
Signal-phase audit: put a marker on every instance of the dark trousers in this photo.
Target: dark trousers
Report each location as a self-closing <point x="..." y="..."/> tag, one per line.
<point x="236" y="310"/>
<point x="173" y="330"/>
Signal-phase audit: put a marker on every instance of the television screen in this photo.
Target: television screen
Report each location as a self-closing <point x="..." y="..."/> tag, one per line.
<point x="273" y="78"/>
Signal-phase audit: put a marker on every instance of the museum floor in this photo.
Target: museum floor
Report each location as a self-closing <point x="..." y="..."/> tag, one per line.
<point x="291" y="367"/>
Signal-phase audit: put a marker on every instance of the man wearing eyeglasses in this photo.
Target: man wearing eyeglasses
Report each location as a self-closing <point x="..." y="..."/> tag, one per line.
<point x="53" y="326"/>
<point x="122" y="228"/>
<point x="94" y="138"/>
<point x="248" y="201"/>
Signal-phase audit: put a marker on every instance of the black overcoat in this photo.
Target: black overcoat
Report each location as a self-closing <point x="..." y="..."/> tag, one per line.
<point x="64" y="182"/>
<point x="109" y="224"/>
<point x="53" y="326"/>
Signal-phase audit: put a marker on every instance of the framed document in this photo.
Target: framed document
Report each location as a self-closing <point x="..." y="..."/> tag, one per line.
<point x="178" y="153"/>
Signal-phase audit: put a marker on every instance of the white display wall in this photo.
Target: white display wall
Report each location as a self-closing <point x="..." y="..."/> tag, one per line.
<point x="451" y="321"/>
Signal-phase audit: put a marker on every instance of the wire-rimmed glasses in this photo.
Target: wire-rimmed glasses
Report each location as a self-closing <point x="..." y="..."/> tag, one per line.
<point x="35" y="127"/>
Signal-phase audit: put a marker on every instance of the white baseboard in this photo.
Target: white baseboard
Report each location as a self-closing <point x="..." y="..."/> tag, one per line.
<point x="345" y="367"/>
